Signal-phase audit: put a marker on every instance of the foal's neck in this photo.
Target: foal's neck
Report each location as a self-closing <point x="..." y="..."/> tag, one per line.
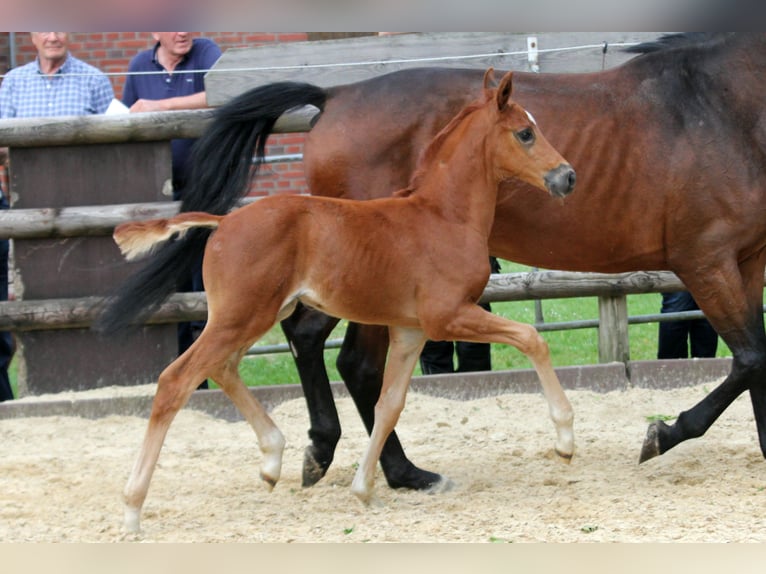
<point x="459" y="183"/>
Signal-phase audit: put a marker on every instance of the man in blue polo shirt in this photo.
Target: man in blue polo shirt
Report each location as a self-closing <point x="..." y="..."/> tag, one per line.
<point x="54" y="84"/>
<point x="178" y="63"/>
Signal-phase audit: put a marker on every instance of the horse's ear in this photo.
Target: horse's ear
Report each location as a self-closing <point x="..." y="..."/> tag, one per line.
<point x="489" y="78"/>
<point x="504" y="90"/>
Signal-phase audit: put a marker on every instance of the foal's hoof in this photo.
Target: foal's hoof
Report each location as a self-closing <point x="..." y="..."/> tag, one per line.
<point x="132" y="520"/>
<point x="564" y="456"/>
<point x="313" y="469"/>
<point x="651" y="446"/>
<point x="270" y="481"/>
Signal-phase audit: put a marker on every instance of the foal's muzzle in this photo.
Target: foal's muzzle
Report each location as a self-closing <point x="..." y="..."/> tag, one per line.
<point x="561" y="180"/>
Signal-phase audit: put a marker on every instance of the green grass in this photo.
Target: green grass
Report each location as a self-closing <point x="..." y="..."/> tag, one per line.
<point x="574" y="347"/>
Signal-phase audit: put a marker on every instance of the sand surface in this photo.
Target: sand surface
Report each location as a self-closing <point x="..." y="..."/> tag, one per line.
<point x="61" y="478"/>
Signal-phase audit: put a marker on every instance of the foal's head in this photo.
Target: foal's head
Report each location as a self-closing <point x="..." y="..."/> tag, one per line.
<point x="519" y="149"/>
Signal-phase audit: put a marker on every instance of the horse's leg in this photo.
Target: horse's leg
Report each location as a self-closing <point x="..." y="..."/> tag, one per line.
<point x="404" y="350"/>
<point x="270" y="439"/>
<point x="307" y="330"/>
<point x="472" y="323"/>
<point x="361" y="363"/>
<point x="211" y="355"/>
<point x="731" y="296"/>
<point x="174" y="387"/>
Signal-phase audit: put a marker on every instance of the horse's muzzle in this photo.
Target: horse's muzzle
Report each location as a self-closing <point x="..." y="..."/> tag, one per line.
<point x="561" y="180"/>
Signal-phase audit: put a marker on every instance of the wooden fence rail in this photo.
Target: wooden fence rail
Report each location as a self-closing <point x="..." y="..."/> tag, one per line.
<point x="80" y="312"/>
<point x="144" y="127"/>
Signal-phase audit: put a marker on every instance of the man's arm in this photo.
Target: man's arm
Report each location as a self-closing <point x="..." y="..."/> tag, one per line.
<point x="192" y="102"/>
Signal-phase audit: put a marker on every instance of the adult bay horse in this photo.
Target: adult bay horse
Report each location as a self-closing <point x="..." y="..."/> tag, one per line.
<point x="669" y="150"/>
<point x="420" y="272"/>
<point x="670" y="156"/>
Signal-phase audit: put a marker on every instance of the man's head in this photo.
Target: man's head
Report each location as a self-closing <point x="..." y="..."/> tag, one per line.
<point x="51" y="46"/>
<point x="176" y="44"/>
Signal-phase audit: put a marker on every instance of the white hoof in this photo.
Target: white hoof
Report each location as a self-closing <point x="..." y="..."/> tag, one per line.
<point x="132" y="519"/>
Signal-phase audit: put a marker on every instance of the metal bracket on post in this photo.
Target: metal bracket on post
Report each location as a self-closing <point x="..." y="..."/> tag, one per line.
<point x="532" y="53"/>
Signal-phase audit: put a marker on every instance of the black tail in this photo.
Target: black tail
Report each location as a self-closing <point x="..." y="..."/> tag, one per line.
<point x="220" y="172"/>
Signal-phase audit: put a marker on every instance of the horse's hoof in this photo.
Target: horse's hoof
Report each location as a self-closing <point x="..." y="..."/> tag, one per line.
<point x="444" y="484"/>
<point x="415" y="478"/>
<point x="132" y="520"/>
<point x="270" y="481"/>
<point x="313" y="470"/>
<point x="651" y="446"/>
<point x="564" y="457"/>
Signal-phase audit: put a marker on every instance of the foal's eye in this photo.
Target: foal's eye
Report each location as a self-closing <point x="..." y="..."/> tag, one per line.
<point x="525" y="136"/>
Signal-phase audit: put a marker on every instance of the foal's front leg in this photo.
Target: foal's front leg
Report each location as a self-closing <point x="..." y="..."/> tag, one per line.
<point x="472" y="323"/>
<point x="404" y="349"/>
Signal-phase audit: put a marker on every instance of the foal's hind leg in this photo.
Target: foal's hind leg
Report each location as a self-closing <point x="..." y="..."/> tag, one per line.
<point x="176" y="384"/>
<point x="214" y="354"/>
<point x="472" y="323"/>
<point x="404" y="350"/>
<point x="270" y="438"/>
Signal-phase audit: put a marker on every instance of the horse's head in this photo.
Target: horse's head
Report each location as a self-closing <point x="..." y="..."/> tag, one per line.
<point x="521" y="151"/>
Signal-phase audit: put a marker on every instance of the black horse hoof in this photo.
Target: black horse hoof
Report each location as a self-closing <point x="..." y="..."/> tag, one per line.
<point x="651" y="446"/>
<point x="415" y="478"/>
<point x="314" y="468"/>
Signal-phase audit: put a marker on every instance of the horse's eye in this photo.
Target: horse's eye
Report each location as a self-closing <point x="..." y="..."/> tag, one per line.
<point x="525" y="136"/>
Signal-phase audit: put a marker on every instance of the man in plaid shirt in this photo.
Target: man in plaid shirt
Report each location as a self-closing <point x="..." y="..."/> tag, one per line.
<point x="55" y="84"/>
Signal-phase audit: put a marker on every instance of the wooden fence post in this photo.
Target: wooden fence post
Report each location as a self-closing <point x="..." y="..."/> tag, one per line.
<point x="613" y="344"/>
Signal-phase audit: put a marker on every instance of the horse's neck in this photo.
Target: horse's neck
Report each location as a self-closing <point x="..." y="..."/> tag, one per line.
<point x="458" y="183"/>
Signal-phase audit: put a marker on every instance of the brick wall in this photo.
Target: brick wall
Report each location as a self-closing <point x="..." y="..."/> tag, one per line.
<point x="111" y="52"/>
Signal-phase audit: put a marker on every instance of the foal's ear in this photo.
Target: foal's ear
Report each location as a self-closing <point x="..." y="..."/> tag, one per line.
<point x="489" y="78"/>
<point x="504" y="90"/>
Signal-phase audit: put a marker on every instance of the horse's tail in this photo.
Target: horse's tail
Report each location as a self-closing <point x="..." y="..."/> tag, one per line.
<point x="220" y="169"/>
<point x="139" y="238"/>
<point x="221" y="166"/>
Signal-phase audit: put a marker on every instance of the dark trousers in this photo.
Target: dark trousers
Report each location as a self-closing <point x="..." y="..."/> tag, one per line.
<point x="6" y="339"/>
<point x="188" y="331"/>
<point x="678" y="338"/>
<point x="437" y="356"/>
<point x="7" y="346"/>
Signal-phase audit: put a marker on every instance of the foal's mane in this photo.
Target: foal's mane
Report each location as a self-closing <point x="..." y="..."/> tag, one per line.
<point x="429" y="153"/>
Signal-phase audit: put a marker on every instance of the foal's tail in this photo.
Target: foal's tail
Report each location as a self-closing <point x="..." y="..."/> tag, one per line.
<point x="138" y="238"/>
<point x="220" y="169"/>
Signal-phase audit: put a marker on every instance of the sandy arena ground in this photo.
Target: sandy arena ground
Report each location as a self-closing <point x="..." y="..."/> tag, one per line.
<point x="61" y="478"/>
